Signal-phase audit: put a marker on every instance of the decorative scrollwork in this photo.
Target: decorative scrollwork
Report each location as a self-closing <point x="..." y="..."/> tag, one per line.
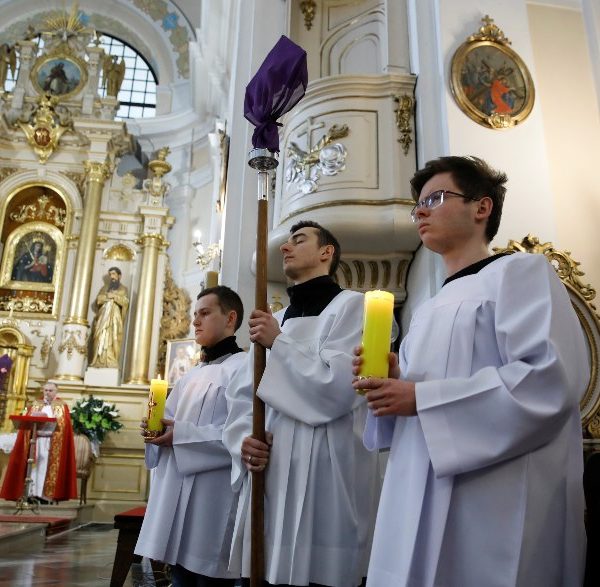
<point x="72" y="342"/>
<point x="404" y="112"/>
<point x="308" y="9"/>
<point x="175" y="320"/>
<point x="593" y="426"/>
<point x="7" y="171"/>
<point x="325" y="158"/>
<point x="48" y="126"/>
<point x="25" y="304"/>
<point x="47" y="344"/>
<point x="40" y="211"/>
<point x="489" y="31"/>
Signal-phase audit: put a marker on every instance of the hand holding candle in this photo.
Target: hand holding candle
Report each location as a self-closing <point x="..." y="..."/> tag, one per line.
<point x="377" y="330"/>
<point x="156" y="406"/>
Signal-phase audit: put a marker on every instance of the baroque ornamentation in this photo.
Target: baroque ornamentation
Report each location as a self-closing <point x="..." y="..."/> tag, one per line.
<point x="96" y="171"/>
<point x="47" y="344"/>
<point x="325" y="158"/>
<point x="77" y="178"/>
<point x="7" y="172"/>
<point x="308" y="9"/>
<point x="404" y="112"/>
<point x="72" y="342"/>
<point x="489" y="31"/>
<point x="25" y="304"/>
<point x="175" y="320"/>
<point x="44" y="132"/>
<point x="40" y="211"/>
<point x="157" y="187"/>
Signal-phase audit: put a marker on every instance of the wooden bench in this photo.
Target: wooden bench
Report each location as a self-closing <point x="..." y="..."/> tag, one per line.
<point x="129" y="524"/>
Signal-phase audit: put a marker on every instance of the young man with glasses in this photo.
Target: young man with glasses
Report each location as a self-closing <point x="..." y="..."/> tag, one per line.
<point x="484" y="480"/>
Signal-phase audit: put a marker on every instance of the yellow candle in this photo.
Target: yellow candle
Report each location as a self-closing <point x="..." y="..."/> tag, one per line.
<point x="377" y="331"/>
<point x="156" y="404"/>
<point x="211" y="279"/>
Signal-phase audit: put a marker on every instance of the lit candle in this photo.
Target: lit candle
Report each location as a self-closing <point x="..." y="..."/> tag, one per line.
<point x="377" y="331"/>
<point x="156" y="404"/>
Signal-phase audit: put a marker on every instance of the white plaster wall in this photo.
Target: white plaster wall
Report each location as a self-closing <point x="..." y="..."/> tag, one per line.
<point x="256" y="36"/>
<point x="569" y="105"/>
<point x="519" y="151"/>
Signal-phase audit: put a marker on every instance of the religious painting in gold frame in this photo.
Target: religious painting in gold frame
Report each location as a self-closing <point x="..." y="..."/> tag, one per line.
<point x="489" y="81"/>
<point x="59" y="75"/>
<point x="32" y="258"/>
<point x="182" y="354"/>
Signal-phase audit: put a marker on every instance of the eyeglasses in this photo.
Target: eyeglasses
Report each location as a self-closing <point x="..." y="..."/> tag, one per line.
<point x="436" y="199"/>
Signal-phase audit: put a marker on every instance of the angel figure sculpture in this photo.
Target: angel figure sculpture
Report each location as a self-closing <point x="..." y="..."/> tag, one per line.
<point x="8" y="59"/>
<point x="113" y="71"/>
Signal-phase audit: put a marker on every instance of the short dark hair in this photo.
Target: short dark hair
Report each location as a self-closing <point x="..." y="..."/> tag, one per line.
<point x="116" y="270"/>
<point x="325" y="238"/>
<point x="474" y="177"/>
<point x="228" y="300"/>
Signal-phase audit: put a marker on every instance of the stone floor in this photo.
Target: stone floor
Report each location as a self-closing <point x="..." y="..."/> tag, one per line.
<point x="77" y="558"/>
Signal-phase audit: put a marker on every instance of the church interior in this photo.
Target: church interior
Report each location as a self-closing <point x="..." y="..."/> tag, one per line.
<point x="125" y="187"/>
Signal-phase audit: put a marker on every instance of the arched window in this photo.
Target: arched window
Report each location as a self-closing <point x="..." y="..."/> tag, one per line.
<point x="138" y="90"/>
<point x="137" y="95"/>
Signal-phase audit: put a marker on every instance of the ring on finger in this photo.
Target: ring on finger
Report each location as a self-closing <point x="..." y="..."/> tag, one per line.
<point x="250" y="459"/>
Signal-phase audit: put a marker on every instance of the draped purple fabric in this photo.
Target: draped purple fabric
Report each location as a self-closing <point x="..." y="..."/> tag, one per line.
<point x="277" y="87"/>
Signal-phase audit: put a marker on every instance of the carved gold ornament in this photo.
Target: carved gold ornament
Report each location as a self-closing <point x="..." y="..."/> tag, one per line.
<point x="489" y="81"/>
<point x="325" y="158"/>
<point x="404" y="113"/>
<point x="175" y="320"/>
<point x="72" y="343"/>
<point x="25" y="304"/>
<point x="156" y="186"/>
<point x="581" y="295"/>
<point x="40" y="211"/>
<point x="308" y="9"/>
<point x="44" y="132"/>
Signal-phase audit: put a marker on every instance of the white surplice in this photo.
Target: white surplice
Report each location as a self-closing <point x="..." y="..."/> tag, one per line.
<point x="322" y="485"/>
<point x="484" y="487"/>
<point x="191" y="509"/>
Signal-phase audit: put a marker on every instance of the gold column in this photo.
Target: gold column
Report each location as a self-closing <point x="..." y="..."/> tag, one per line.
<point x="17" y="398"/>
<point x="144" y="312"/>
<point x="96" y="174"/>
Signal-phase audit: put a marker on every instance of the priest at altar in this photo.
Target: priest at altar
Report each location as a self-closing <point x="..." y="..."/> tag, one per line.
<point x="54" y="472"/>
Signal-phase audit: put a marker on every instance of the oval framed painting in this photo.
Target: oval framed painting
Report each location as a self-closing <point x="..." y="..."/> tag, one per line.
<point x="489" y="81"/>
<point x="58" y="75"/>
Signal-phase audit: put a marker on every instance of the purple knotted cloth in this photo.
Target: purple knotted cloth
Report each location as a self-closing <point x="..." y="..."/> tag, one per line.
<point x="277" y="87"/>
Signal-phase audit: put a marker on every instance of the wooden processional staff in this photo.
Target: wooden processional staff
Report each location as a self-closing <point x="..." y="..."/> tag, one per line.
<point x="278" y="85"/>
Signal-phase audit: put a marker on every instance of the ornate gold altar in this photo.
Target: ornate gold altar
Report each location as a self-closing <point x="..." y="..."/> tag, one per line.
<point x="79" y="241"/>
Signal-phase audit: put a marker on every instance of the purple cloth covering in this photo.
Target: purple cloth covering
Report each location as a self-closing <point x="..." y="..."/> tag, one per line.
<point x="277" y="87"/>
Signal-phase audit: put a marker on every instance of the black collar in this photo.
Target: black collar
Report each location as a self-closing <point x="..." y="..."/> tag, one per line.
<point x="227" y="346"/>
<point x="475" y="267"/>
<point x="311" y="297"/>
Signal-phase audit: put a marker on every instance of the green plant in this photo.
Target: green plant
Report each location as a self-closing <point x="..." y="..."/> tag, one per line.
<point x="94" y="418"/>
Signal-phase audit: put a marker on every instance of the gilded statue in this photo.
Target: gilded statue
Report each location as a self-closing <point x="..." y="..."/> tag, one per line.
<point x="113" y="71"/>
<point x="8" y="59"/>
<point x="112" y="303"/>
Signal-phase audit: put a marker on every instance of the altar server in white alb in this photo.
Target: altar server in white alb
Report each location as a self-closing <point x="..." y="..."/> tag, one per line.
<point x="484" y="481"/>
<point x="321" y="483"/>
<point x="191" y="507"/>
